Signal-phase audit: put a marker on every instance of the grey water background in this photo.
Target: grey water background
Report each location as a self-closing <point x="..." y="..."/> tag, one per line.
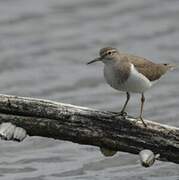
<point x="44" y="45"/>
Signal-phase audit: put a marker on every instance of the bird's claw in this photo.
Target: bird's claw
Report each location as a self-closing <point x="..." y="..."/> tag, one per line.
<point x="122" y="113"/>
<point x="141" y="119"/>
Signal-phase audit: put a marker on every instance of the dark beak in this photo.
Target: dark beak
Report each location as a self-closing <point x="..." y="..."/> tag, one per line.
<point x="95" y="60"/>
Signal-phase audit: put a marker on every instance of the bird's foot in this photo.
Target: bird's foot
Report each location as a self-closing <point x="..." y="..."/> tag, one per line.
<point x="122" y="113"/>
<point x="141" y="119"/>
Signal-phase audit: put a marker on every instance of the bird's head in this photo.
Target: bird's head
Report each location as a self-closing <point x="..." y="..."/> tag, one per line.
<point x="106" y="55"/>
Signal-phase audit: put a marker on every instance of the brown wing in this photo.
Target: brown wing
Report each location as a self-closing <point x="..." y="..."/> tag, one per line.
<point x="149" y="69"/>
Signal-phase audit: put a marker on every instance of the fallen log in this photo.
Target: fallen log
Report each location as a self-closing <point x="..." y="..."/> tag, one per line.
<point x="89" y="126"/>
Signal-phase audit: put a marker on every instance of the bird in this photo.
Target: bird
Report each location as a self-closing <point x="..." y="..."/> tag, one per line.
<point x="130" y="73"/>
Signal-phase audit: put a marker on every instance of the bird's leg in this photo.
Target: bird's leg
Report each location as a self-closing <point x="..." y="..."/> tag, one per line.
<point x="124" y="107"/>
<point x="141" y="109"/>
<point x="122" y="112"/>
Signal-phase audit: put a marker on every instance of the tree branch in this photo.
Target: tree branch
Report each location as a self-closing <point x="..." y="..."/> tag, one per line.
<point x="88" y="126"/>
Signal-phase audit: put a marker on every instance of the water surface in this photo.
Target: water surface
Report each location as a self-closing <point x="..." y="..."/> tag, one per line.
<point x="44" y="45"/>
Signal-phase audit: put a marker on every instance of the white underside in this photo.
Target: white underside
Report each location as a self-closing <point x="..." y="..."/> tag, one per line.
<point x="136" y="81"/>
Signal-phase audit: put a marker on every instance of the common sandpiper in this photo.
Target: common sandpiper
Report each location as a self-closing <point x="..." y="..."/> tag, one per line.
<point x="130" y="73"/>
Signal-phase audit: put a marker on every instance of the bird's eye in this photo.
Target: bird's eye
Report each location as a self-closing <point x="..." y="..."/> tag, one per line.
<point x="109" y="52"/>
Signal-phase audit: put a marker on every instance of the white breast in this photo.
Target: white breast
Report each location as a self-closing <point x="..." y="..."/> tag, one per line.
<point x="110" y="76"/>
<point x="136" y="82"/>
